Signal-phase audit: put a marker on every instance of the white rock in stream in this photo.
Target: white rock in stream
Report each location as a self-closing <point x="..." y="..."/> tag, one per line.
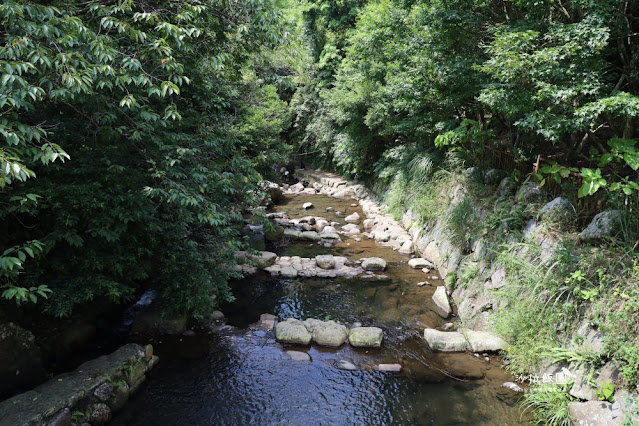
<point x="325" y="261"/>
<point x="343" y="364"/>
<point x="420" y="263"/>
<point x="292" y="331"/>
<point x="483" y="341"/>
<point x="353" y="218"/>
<point x="441" y="300"/>
<point x="366" y="337"/>
<point x="407" y="247"/>
<point x="446" y="341"/>
<point x="395" y="368"/>
<point x="307" y="206"/>
<point x="374" y="264"/>
<point x="330" y="334"/>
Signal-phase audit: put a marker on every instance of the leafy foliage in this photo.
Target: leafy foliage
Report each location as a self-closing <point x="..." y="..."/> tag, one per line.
<point x="147" y="127"/>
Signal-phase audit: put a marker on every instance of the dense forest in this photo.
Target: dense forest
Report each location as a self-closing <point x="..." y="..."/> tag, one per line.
<point x="136" y="135"/>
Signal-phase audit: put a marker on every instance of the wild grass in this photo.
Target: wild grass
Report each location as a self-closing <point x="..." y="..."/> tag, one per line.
<point x="549" y="404"/>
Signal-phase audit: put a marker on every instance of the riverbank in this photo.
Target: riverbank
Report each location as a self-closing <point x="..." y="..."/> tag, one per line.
<point x="485" y="275"/>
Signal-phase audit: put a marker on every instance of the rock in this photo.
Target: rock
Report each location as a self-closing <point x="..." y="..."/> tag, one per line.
<point x="395" y="368"/>
<point x="493" y="176"/>
<point x="420" y="263"/>
<point x="100" y="414"/>
<point x="292" y="331"/>
<point x="307" y="205"/>
<point x="559" y="211"/>
<point x="473" y="173"/>
<point x="288" y="272"/>
<point x="350" y="227"/>
<point x="267" y="322"/>
<point x="325" y="261"/>
<point x="602" y="226"/>
<point x="581" y="388"/>
<point x="332" y="236"/>
<point x="20" y="359"/>
<point x="407" y="247"/>
<point x="529" y="192"/>
<point x="298" y="187"/>
<point x="366" y="337"/>
<point x="298" y="356"/>
<point x="381" y="236"/>
<point x="353" y="218"/>
<point x="374" y="264"/>
<point x="330" y="209"/>
<point x="441" y="300"/>
<point x="329" y="230"/>
<point x="103" y="392"/>
<point x="506" y="187"/>
<point x="422" y="283"/>
<point x="483" y="341"/>
<point x="595" y="413"/>
<point x="512" y="386"/>
<point x="368" y="224"/>
<point x="448" y="326"/>
<point x="310" y="236"/>
<point x="217" y="316"/>
<point x="343" y="364"/>
<point x="264" y="259"/>
<point x="446" y="341"/>
<point x="330" y="334"/>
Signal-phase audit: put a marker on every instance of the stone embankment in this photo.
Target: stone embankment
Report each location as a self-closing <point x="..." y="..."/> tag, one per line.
<point x="90" y="395"/>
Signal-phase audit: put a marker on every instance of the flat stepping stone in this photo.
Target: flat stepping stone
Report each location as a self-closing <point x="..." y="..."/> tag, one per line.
<point x="483" y="341"/>
<point x="420" y="263"/>
<point x="394" y="368"/>
<point x="366" y="337"/>
<point x="292" y="331"/>
<point x="343" y="364"/>
<point x="441" y="341"/>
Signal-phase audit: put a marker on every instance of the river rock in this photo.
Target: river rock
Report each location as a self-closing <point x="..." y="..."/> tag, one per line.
<point x="374" y="264"/>
<point x="217" y="316"/>
<point x="329" y="230"/>
<point x="353" y="218"/>
<point x="267" y="322"/>
<point x="333" y="236"/>
<point x="483" y="341"/>
<point x="441" y="300"/>
<point x="264" y="259"/>
<point x="298" y="356"/>
<point x="350" y="227"/>
<point x="298" y="187"/>
<point x="366" y="337"/>
<point x="407" y="247"/>
<point x="325" y="261"/>
<point x="420" y="263"/>
<point x="343" y="364"/>
<point x="288" y="272"/>
<point x="394" y="368"/>
<point x="310" y="236"/>
<point x="119" y="397"/>
<point x="292" y="331"/>
<point x="512" y="386"/>
<point x="602" y="226"/>
<point x="307" y="206"/>
<point x="529" y="192"/>
<point x="330" y="334"/>
<point x="103" y="392"/>
<point x="446" y="341"/>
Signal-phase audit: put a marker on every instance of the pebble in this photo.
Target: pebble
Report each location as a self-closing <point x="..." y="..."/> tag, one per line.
<point x="422" y="283"/>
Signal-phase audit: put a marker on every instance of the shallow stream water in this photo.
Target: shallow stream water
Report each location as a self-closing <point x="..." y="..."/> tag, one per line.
<point x="246" y="377"/>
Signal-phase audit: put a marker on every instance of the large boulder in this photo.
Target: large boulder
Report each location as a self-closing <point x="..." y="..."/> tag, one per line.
<point x="441" y="300"/>
<point x="602" y="226"/>
<point x="366" y="337"/>
<point x="420" y="263"/>
<point x="374" y="264"/>
<point x="264" y="259"/>
<point x="325" y="261"/>
<point x="20" y="359"/>
<point x="330" y="334"/>
<point x="292" y="331"/>
<point x="446" y="341"/>
<point x="483" y="341"/>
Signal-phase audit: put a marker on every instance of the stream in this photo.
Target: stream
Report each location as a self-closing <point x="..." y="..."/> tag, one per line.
<point x="243" y="376"/>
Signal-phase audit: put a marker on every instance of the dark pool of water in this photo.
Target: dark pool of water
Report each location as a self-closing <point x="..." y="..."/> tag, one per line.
<point x="247" y="378"/>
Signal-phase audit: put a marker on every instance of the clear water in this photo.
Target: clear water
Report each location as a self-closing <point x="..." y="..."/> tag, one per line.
<point x="247" y="378"/>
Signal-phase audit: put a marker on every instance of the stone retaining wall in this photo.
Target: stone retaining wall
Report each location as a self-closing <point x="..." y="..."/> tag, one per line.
<point x="88" y="395"/>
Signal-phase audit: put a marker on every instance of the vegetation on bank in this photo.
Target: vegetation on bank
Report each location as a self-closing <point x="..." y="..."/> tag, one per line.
<point x="133" y="136"/>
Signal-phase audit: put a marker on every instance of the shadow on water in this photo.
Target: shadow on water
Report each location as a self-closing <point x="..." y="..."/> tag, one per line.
<point x="246" y="377"/>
